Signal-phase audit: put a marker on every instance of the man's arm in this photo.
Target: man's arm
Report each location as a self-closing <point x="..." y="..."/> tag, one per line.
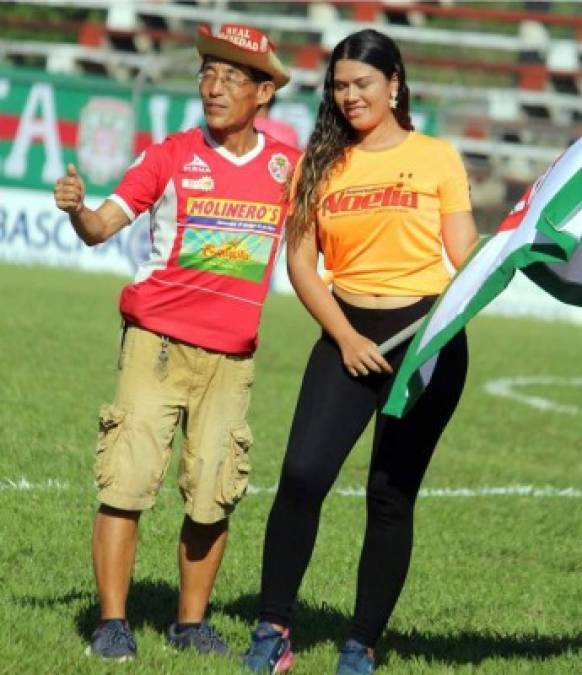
<point x="92" y="226"/>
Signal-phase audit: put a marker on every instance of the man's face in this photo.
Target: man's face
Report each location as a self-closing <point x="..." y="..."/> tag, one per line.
<point x="230" y="97"/>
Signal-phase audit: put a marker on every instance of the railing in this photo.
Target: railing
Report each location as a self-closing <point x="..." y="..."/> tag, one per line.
<point x="494" y="122"/>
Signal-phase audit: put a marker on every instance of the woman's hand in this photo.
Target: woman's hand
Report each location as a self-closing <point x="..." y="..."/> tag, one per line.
<point x="361" y="356"/>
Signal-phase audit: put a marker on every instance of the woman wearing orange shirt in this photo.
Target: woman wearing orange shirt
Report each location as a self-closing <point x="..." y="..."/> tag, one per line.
<point x="380" y="201"/>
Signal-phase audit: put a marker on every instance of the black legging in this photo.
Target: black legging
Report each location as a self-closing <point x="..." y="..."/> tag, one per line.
<point x="332" y="412"/>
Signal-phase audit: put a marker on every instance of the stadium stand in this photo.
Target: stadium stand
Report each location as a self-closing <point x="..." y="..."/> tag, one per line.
<point x="505" y="83"/>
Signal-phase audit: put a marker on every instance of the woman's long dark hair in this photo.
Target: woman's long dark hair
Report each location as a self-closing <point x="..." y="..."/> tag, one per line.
<point x="332" y="134"/>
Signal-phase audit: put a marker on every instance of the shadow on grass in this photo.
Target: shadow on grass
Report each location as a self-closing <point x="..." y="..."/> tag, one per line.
<point x="152" y="603"/>
<point x="469" y="647"/>
<point x="53" y="601"/>
<point x="313" y="624"/>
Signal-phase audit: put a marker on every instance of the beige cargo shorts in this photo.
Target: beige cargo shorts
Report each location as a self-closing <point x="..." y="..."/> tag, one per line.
<point x="163" y="382"/>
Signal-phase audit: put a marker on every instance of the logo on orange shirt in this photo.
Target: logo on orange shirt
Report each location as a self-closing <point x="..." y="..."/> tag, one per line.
<point x="363" y="198"/>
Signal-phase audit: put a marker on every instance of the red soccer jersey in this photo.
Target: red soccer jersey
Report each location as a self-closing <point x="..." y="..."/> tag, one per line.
<point x="216" y="222"/>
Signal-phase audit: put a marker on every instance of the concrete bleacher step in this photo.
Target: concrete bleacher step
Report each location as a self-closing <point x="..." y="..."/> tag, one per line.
<point x="498" y="128"/>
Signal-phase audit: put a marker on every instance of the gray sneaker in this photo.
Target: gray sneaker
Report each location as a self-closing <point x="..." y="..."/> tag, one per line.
<point x="269" y="652"/>
<point x="354" y="659"/>
<point x="112" y="640"/>
<point x="202" y="638"/>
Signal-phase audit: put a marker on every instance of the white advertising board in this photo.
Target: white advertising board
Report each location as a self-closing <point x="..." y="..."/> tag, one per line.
<point x="34" y="232"/>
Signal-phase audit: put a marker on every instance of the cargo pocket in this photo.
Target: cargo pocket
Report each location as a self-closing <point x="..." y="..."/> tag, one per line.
<point x="110" y="424"/>
<point x="234" y="474"/>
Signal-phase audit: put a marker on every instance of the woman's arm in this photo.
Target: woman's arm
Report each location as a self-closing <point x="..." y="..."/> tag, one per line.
<point x="360" y="355"/>
<point x="459" y="236"/>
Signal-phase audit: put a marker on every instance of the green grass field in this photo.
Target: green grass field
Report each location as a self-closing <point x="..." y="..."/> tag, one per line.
<point x="495" y="583"/>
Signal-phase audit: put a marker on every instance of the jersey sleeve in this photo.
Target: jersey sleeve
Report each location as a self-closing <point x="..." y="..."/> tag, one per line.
<point x="454" y="185"/>
<point x="145" y="180"/>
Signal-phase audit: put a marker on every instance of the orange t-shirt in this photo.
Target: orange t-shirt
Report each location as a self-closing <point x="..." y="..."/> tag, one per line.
<point x="379" y="221"/>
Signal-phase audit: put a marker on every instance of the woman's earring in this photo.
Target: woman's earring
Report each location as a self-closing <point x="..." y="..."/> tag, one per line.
<point x="393" y="100"/>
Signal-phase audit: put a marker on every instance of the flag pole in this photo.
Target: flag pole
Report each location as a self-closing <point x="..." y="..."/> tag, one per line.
<point x="401" y="336"/>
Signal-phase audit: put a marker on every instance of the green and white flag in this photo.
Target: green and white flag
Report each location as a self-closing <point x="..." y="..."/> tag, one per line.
<point x="542" y="236"/>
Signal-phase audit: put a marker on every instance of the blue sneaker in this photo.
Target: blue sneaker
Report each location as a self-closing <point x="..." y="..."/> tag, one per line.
<point x="270" y="651"/>
<point x="203" y="638"/>
<point x="112" y="640"/>
<point x="354" y="659"/>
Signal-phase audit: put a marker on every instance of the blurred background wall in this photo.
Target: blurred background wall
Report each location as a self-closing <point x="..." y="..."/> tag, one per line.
<point x="96" y="81"/>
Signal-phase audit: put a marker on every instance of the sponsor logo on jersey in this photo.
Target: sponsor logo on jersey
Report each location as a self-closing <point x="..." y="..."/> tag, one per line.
<point x="196" y="164"/>
<point x="226" y="251"/>
<point x="205" y="183"/>
<point x="233" y="210"/>
<point x="371" y="197"/>
<point x="234" y="254"/>
<point x="279" y="167"/>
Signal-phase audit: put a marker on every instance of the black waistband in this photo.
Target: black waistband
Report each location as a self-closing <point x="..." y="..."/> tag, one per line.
<point x="381" y="324"/>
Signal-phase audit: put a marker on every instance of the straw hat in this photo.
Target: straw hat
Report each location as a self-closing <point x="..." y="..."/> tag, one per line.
<point x="245" y="45"/>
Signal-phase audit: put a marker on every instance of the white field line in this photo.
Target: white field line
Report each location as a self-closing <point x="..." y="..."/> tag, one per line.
<point x="508" y="387"/>
<point x="24" y="485"/>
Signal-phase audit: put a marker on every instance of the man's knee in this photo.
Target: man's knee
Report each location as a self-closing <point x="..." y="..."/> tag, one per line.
<point x="131" y="458"/>
<point x="198" y="539"/>
<point x="214" y="474"/>
<point x="194" y="529"/>
<point x="114" y="512"/>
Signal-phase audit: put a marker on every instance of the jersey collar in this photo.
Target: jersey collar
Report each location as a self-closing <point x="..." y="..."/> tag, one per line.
<point x="231" y="157"/>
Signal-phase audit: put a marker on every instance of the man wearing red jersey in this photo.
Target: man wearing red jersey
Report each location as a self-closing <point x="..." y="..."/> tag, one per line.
<point x="215" y="199"/>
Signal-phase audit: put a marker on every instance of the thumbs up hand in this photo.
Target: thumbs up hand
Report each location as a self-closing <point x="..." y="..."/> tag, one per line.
<point x="69" y="191"/>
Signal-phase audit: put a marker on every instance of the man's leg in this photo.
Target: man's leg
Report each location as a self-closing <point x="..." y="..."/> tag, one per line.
<point x="133" y="452"/>
<point x="213" y="476"/>
<point x="114" y="547"/>
<point x="200" y="552"/>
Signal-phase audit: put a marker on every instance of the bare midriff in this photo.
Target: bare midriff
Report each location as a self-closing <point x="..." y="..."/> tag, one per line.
<point x="375" y="301"/>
